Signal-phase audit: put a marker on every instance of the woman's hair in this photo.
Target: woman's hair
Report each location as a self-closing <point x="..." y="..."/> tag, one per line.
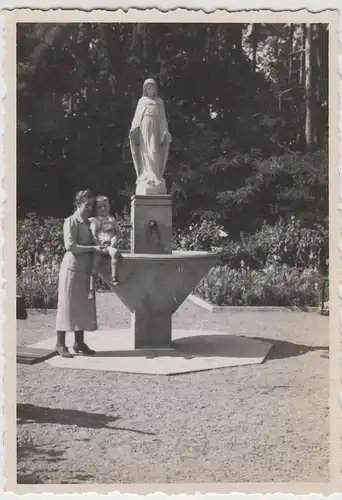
<point x="83" y="196"/>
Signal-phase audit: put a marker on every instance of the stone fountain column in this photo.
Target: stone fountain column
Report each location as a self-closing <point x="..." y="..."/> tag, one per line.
<point x="151" y="217"/>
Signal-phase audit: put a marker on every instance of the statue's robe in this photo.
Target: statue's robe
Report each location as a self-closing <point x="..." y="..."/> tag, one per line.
<point x="150" y="145"/>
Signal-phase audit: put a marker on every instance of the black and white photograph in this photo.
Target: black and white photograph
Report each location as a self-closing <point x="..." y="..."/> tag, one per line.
<point x="172" y="252"/>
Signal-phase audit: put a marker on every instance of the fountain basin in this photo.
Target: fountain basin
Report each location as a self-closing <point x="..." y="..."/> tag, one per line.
<point x="158" y="283"/>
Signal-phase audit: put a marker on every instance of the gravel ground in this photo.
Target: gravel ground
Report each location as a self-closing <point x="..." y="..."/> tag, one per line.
<point x="258" y="423"/>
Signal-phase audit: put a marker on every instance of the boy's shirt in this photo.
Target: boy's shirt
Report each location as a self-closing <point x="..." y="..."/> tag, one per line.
<point x="104" y="228"/>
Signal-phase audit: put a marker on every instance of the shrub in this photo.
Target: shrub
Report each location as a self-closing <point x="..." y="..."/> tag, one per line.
<point x="205" y="235"/>
<point x="275" y="285"/>
<point x="275" y="266"/>
<point x="39" y="240"/>
<point x="40" y="249"/>
<point x="38" y="285"/>
<point x="294" y="245"/>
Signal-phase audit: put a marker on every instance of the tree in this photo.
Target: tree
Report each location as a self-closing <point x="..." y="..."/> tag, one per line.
<point x="234" y="99"/>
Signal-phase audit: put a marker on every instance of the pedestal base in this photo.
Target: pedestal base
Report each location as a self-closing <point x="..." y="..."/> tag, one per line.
<point x="192" y="351"/>
<point x="151" y="331"/>
<point x="146" y="188"/>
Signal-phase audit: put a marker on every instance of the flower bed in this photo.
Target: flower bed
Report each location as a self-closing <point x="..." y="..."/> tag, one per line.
<point x="275" y="267"/>
<point x="274" y="285"/>
<point x="40" y="250"/>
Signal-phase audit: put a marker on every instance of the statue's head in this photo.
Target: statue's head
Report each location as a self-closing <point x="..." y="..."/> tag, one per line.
<point x="150" y="88"/>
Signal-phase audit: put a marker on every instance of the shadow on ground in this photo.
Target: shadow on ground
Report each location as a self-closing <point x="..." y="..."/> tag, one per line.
<point x="25" y="476"/>
<point x="229" y="345"/>
<point x="27" y="449"/>
<point x="282" y="349"/>
<point x="238" y="346"/>
<point x="28" y="413"/>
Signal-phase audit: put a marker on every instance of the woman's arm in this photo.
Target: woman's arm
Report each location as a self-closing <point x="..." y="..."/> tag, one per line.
<point x="70" y="233"/>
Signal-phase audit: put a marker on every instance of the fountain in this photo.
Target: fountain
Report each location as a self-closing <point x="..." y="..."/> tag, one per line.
<point x="154" y="279"/>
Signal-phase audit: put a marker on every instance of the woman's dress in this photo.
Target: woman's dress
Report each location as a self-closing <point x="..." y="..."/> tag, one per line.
<point x="75" y="310"/>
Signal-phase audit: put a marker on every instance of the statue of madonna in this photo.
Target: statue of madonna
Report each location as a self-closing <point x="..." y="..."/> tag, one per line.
<point x="149" y="141"/>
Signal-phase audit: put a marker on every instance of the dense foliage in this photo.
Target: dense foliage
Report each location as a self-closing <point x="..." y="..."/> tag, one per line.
<point x="247" y="109"/>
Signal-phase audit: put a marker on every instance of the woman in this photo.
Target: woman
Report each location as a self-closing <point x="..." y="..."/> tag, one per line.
<point x="76" y="311"/>
<point x="149" y="136"/>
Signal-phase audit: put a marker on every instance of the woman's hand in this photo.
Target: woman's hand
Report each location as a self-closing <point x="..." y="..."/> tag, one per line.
<point x="99" y="248"/>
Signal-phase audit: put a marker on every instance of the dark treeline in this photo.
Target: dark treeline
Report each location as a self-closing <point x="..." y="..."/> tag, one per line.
<point x="246" y="105"/>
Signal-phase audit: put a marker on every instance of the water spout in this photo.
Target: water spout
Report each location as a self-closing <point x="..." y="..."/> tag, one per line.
<point x="153" y="230"/>
<point x="152" y="225"/>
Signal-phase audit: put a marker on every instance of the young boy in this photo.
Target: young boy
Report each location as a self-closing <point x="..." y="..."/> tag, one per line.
<point x="106" y="233"/>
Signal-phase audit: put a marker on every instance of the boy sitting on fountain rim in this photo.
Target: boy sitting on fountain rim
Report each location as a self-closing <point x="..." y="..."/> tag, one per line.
<point x="106" y="233"/>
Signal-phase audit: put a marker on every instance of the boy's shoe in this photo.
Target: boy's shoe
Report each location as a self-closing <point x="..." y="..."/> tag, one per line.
<point x="91" y="295"/>
<point x="115" y="281"/>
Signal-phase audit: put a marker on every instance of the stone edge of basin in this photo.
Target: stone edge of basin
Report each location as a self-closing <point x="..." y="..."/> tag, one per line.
<point x="176" y="255"/>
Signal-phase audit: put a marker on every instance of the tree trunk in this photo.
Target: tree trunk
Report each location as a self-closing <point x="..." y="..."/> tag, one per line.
<point x="308" y="88"/>
<point x="321" y="84"/>
<point x="316" y="85"/>
<point x="302" y="57"/>
<point x="255" y="32"/>
<point x="291" y="49"/>
<point x="238" y="39"/>
<point x="208" y="42"/>
<point x="135" y="36"/>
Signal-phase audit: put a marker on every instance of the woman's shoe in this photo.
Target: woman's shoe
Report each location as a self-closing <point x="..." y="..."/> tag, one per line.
<point x="83" y="349"/>
<point x="63" y="351"/>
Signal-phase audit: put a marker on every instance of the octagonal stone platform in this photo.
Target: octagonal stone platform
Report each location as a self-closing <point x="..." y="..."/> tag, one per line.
<point x="190" y="351"/>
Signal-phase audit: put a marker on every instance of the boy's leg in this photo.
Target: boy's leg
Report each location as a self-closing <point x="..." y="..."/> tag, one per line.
<point x="96" y="263"/>
<point x="115" y="256"/>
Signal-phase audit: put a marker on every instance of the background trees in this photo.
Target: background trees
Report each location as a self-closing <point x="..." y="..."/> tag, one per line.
<point x="247" y="108"/>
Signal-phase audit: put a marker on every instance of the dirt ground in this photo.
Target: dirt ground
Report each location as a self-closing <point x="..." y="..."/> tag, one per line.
<point x="258" y="423"/>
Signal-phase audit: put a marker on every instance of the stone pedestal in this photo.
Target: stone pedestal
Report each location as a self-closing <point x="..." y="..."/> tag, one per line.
<point x="151" y="218"/>
<point x="154" y="281"/>
<point x="151" y="330"/>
